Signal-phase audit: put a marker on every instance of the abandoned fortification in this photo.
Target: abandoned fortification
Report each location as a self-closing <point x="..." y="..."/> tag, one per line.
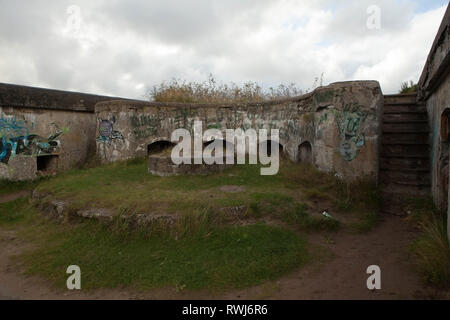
<point x="348" y="128"/>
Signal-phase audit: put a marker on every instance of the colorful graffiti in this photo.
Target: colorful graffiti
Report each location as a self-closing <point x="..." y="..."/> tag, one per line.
<point x="349" y="122"/>
<point x="15" y="139"/>
<point x="106" y="130"/>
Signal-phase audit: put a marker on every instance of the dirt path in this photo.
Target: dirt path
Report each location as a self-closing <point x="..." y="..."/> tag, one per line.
<point x="340" y="275"/>
<point x="343" y="274"/>
<point x="13" y="196"/>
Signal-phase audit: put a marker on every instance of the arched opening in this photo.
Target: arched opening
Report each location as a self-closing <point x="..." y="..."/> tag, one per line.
<point x="225" y="146"/>
<point x="160" y="147"/>
<point x="268" y="144"/>
<point x="305" y="152"/>
<point x="444" y="126"/>
<point x="444" y="157"/>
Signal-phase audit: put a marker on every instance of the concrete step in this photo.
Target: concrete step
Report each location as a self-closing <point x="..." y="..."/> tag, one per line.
<point x="402" y="191"/>
<point x="404" y="156"/>
<point x="405" y="127"/>
<point x="405" y="117"/>
<point x="408" y="150"/>
<point x="400" y="98"/>
<point x="405" y="177"/>
<point x="395" y="199"/>
<point x="397" y="209"/>
<point x="403" y="108"/>
<point x="404" y="138"/>
<point x="420" y="184"/>
<point x="397" y="163"/>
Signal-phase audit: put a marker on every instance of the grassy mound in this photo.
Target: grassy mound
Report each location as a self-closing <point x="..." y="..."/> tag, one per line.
<point x="221" y="257"/>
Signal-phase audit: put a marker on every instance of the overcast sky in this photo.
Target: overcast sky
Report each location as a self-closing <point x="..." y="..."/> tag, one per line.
<point x="120" y="48"/>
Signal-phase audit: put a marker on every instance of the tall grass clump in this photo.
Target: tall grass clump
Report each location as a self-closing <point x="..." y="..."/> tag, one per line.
<point x="406" y="87"/>
<point x="432" y="248"/>
<point x="211" y="91"/>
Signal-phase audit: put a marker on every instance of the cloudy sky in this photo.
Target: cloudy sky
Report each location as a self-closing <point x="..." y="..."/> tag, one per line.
<point x="120" y="48"/>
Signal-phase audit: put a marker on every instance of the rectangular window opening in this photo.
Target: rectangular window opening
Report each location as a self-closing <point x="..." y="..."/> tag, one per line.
<point x="47" y="163"/>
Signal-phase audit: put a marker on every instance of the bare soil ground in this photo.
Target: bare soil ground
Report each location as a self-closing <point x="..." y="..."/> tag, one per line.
<point x="13" y="196"/>
<point x="339" y="273"/>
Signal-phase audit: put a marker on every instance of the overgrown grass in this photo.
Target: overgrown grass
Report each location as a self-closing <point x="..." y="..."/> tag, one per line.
<point x="300" y="217"/>
<point x="14" y="212"/>
<point x="127" y="186"/>
<point x="360" y="198"/>
<point x="197" y="251"/>
<point x="432" y="248"/>
<point x="213" y="258"/>
<point x="7" y="186"/>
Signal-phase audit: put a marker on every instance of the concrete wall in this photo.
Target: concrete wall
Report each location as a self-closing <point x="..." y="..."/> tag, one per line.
<point x="434" y="91"/>
<point x="437" y="104"/>
<point x="37" y="123"/>
<point x="340" y="121"/>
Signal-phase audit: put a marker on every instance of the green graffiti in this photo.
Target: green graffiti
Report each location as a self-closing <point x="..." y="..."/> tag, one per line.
<point x="214" y="126"/>
<point x="145" y="125"/>
<point x="323" y="118"/>
<point x="349" y="122"/>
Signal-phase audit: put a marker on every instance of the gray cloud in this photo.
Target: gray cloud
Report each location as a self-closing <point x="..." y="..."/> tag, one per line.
<point x="125" y="46"/>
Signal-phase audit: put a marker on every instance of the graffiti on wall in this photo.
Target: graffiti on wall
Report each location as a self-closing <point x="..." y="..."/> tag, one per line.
<point x="15" y="139"/>
<point x="349" y="123"/>
<point x="106" y="131"/>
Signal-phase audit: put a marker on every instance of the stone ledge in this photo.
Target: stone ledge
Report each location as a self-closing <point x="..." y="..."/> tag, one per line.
<point x="61" y="211"/>
<point x="163" y="166"/>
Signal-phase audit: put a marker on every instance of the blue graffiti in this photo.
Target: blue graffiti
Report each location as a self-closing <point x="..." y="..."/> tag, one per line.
<point x="106" y="131"/>
<point x="15" y="139"/>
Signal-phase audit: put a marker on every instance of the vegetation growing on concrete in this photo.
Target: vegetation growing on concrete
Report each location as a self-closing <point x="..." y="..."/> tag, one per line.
<point x="406" y="87"/>
<point x="211" y="91"/>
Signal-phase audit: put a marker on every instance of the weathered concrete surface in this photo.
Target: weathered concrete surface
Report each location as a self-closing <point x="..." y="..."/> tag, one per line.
<point x="437" y="104"/>
<point x="434" y="91"/>
<point x="38" y="122"/>
<point x="162" y="165"/>
<point x="19" y="168"/>
<point x="48" y="99"/>
<point x="341" y="121"/>
<point x="73" y="145"/>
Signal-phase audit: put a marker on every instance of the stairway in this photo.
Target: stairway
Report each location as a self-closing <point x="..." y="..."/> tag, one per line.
<point x="404" y="154"/>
